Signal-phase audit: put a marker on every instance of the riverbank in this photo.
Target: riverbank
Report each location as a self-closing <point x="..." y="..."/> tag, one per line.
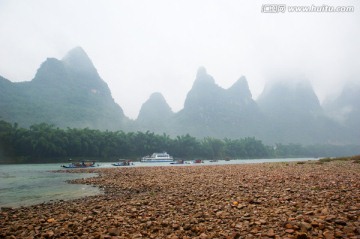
<point x="30" y="184"/>
<point x="272" y="200"/>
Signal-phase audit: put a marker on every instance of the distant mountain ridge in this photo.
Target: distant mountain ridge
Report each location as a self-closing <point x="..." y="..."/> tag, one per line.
<point x="293" y="111"/>
<point x="345" y="109"/>
<point x="66" y="93"/>
<point x="210" y="110"/>
<point x="286" y="112"/>
<point x="70" y="93"/>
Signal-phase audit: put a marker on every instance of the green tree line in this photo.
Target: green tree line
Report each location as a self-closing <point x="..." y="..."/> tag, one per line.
<point x="42" y="142"/>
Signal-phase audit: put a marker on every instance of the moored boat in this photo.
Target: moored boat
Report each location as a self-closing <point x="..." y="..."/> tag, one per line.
<point x="178" y="162"/>
<point x="82" y="164"/>
<point x="197" y="161"/>
<point x="123" y="163"/>
<point x="157" y="157"/>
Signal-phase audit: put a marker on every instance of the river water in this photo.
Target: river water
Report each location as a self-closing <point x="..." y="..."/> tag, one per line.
<point x="29" y="184"/>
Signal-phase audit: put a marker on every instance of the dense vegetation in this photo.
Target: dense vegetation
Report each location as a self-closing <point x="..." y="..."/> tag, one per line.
<point x="44" y="143"/>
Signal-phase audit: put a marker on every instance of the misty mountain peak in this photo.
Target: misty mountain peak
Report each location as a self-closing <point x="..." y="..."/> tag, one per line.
<point x="155" y="109"/>
<point x="51" y="70"/>
<point x="157" y="96"/>
<point x="241" y="88"/>
<point x="345" y="108"/>
<point x="350" y="93"/>
<point x="203" y="77"/>
<point x="75" y="68"/>
<point x="77" y="53"/>
<point x="79" y="60"/>
<point x="291" y="97"/>
<point x="204" y="90"/>
<point x="201" y="72"/>
<point x="66" y="93"/>
<point x="293" y="87"/>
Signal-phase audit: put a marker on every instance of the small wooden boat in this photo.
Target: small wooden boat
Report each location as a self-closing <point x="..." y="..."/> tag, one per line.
<point x="82" y="164"/>
<point x="123" y="163"/>
<point x="178" y="162"/>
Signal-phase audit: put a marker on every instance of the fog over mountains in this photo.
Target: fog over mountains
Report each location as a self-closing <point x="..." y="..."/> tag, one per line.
<point x="66" y="93"/>
<point x="70" y="93"/>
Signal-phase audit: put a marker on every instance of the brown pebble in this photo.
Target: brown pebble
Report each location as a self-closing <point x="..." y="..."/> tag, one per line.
<point x="203" y="236"/>
<point x="271" y="233"/>
<point x="304" y="226"/>
<point x="328" y="235"/>
<point x="113" y="231"/>
<point x="301" y="236"/>
<point x="340" y="222"/>
<point x="288" y="226"/>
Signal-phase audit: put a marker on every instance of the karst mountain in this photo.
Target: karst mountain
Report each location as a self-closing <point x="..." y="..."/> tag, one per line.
<point x="70" y="93"/>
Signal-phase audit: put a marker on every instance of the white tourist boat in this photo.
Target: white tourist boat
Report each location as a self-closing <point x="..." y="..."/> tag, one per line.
<point x="157" y="157"/>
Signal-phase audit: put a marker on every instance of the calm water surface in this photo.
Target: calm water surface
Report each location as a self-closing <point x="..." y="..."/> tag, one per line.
<point x="29" y="184"/>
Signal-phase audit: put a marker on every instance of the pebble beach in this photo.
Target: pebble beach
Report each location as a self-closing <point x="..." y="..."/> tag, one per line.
<point x="268" y="200"/>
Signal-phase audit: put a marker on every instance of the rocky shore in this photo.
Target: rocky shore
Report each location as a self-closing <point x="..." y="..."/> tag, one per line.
<point x="273" y="200"/>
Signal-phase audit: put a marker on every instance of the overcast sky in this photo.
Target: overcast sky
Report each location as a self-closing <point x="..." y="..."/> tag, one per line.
<point x="145" y="46"/>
